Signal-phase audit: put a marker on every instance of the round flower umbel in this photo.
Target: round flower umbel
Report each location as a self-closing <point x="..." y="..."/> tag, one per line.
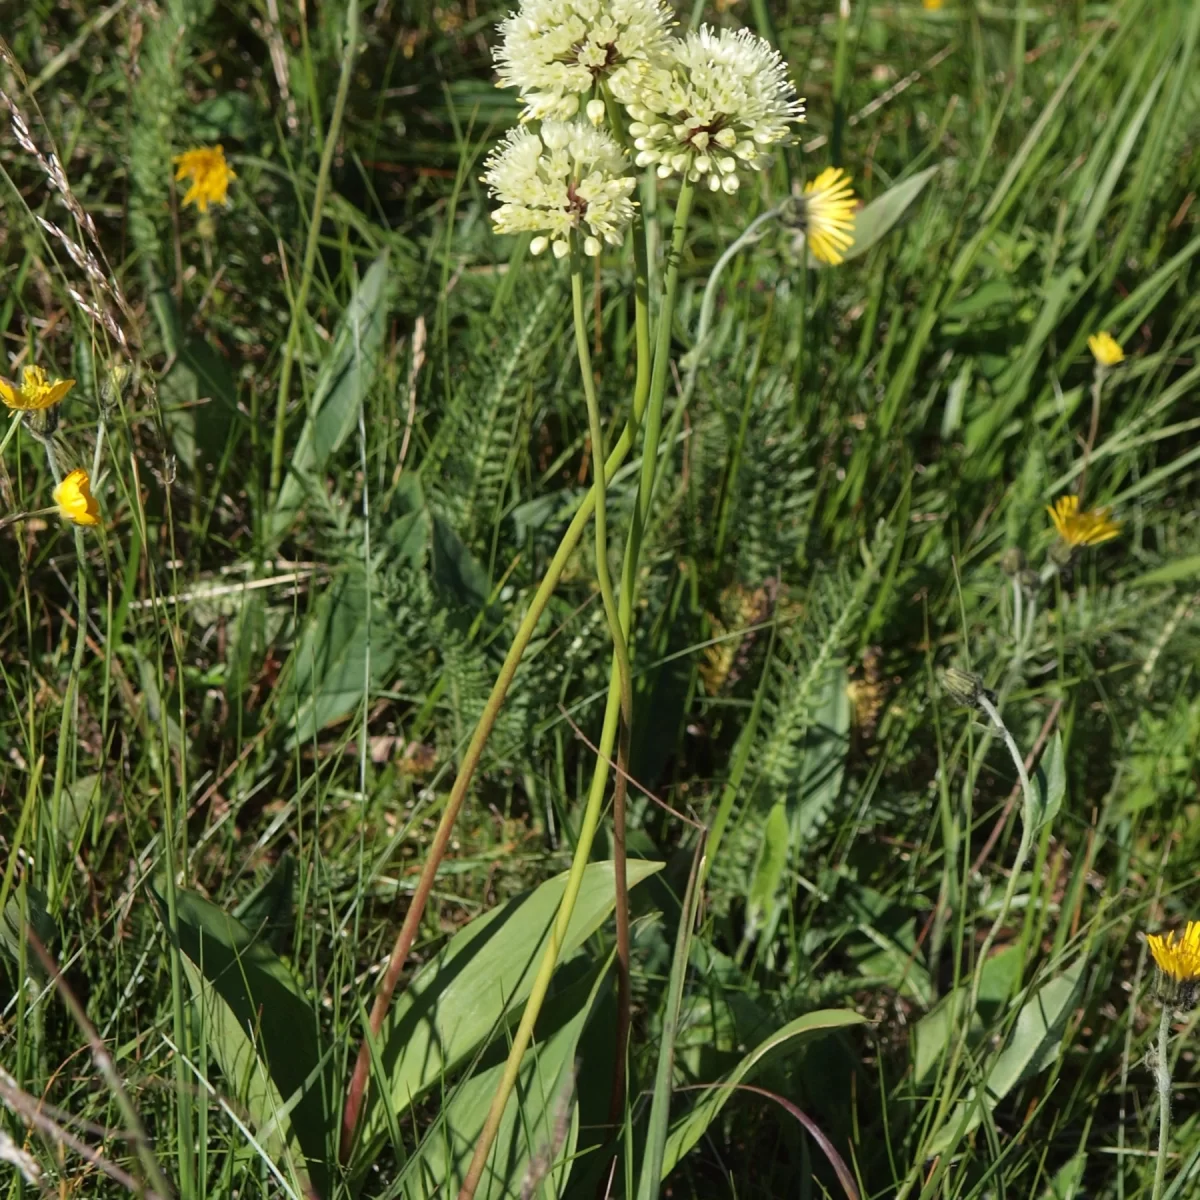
<point x="556" y="51"/>
<point x="720" y="104"/>
<point x="567" y="177"/>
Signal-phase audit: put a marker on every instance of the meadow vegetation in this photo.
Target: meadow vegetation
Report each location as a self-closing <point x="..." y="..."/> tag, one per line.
<point x="857" y="841"/>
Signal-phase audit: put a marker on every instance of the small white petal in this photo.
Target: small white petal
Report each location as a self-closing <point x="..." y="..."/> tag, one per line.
<point x="595" y="112"/>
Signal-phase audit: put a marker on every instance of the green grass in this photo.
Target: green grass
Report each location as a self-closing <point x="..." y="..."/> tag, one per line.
<point x="270" y="697"/>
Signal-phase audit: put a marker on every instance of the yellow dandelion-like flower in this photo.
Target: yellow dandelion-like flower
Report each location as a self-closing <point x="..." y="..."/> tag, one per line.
<point x="75" y="500"/>
<point x="824" y="213"/>
<point x="35" y="392"/>
<point x="1105" y="348"/>
<point x="210" y="175"/>
<point x="1178" y="958"/>
<point x="932" y="5"/>
<point x="1088" y="528"/>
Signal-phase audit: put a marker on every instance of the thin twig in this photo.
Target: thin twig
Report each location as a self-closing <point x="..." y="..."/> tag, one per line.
<point x="1031" y="758"/>
<point x="583" y="737"/>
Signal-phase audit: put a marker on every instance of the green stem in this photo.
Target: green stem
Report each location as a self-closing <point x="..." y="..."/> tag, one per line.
<point x="591" y="817"/>
<point x="620" y="659"/>
<point x="1162" y="1074"/>
<point x="596" y="433"/>
<point x="13" y="425"/>
<point x="474" y="750"/>
<point x="310" y="247"/>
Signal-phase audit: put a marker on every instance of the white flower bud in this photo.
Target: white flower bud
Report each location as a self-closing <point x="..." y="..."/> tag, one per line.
<point x="595" y="112"/>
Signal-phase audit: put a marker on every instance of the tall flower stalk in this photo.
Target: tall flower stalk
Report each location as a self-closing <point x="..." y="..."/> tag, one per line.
<point x="704" y="110"/>
<point x="612" y="710"/>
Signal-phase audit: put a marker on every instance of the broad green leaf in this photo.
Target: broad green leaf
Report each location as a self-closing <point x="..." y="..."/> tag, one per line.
<point x="483" y="973"/>
<point x="876" y="219"/>
<point x="1034" y="1043"/>
<point x="22" y="908"/>
<point x="459" y="579"/>
<point x="342" y="385"/>
<point x="263" y="1032"/>
<point x="826" y="745"/>
<point x="267" y="911"/>
<point x="1067" y="1183"/>
<point x="537" y="1134"/>
<point x="198" y="393"/>
<point x="932" y="1034"/>
<point x="1049" y="784"/>
<point x="772" y="859"/>
<point x="689" y="1129"/>
<point x="341" y="643"/>
<point x="76" y="803"/>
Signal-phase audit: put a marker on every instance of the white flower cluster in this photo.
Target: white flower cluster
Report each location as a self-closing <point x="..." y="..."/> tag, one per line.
<point x="723" y="100"/>
<point x="555" y="51"/>
<point x="568" y="176"/>
<point x="704" y="107"/>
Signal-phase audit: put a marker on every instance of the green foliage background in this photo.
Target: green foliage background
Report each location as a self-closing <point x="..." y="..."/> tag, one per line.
<point x="273" y="695"/>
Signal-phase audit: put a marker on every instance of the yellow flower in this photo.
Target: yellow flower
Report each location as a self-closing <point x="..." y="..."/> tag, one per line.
<point x="932" y="5"/>
<point x="1105" y="348"/>
<point x="1178" y="954"/>
<point x="35" y="392"/>
<point x="1077" y="528"/>
<point x="1178" y="958"/>
<point x="210" y="175"/>
<point x="75" y="500"/>
<point x="827" y="215"/>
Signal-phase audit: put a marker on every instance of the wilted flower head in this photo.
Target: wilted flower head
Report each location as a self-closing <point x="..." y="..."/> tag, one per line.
<point x="567" y="176"/>
<point x="210" y="175"/>
<point x="715" y="107"/>
<point x="555" y="51"/>
<point x="824" y="213"/>
<point x="75" y="500"/>
<point x="1105" y="348"/>
<point x="35" y="392"/>
<point x="1087" y="528"/>
<point x="1178" y="958"/>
